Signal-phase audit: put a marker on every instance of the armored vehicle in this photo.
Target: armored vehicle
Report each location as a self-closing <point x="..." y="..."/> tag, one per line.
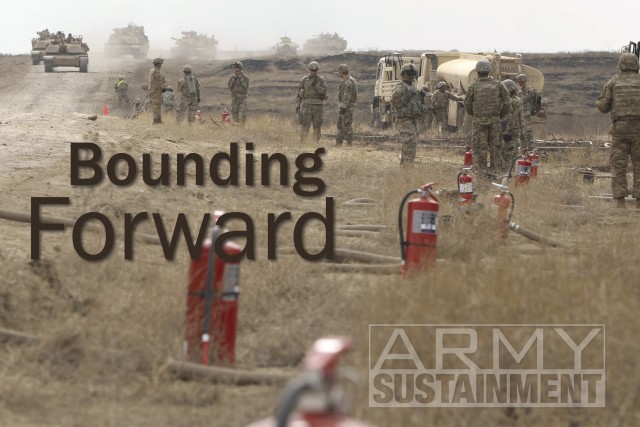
<point x="325" y="43"/>
<point x="286" y="47"/>
<point x="194" y="45"/>
<point x="66" y="52"/>
<point x="38" y="45"/>
<point x="129" y="40"/>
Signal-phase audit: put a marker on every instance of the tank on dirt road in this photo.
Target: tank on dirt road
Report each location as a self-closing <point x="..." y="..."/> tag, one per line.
<point x="286" y="47"/>
<point x="39" y="44"/>
<point x="129" y="40"/>
<point x="325" y="43"/>
<point x="194" y="45"/>
<point x="68" y="51"/>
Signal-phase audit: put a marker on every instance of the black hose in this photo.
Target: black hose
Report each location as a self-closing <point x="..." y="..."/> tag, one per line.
<point x="290" y="399"/>
<point x="403" y="243"/>
<point x="509" y="176"/>
<point x="513" y="206"/>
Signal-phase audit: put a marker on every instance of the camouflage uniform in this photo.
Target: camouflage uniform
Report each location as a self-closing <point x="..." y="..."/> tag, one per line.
<point x="189" y="90"/>
<point x="406" y="103"/>
<point x="347" y="98"/>
<point x="238" y="85"/>
<point x="312" y="92"/>
<point x="146" y="102"/>
<point x="156" y="87"/>
<point x="121" y="92"/>
<point x="621" y="97"/>
<point x="428" y="109"/>
<point x="168" y="100"/>
<point x="440" y="104"/>
<point x="527" y="95"/>
<point x="512" y="131"/>
<point x="137" y="109"/>
<point x="487" y="101"/>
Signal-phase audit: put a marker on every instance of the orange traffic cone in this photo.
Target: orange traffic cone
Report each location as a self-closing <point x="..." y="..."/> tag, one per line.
<point x="105" y="111"/>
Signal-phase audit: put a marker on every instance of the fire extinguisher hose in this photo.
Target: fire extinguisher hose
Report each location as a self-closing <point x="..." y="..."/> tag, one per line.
<point x="403" y="243"/>
<point x="292" y="393"/>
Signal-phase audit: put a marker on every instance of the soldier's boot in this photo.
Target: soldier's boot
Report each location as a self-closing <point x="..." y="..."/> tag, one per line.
<point x="338" y="142"/>
<point x="621" y="204"/>
<point x="157" y="121"/>
<point x="349" y="141"/>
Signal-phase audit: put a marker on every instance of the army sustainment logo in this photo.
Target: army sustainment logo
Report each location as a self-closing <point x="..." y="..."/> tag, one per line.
<point x="486" y="365"/>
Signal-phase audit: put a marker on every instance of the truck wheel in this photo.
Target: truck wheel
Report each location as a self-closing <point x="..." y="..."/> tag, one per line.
<point x="84" y="64"/>
<point x="48" y="66"/>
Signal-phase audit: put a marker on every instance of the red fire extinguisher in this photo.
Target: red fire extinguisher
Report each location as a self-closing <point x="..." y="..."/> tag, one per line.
<point x="503" y="205"/>
<point x="468" y="157"/>
<point x="313" y="399"/>
<point x="225" y="116"/>
<point x="419" y="248"/>
<point x="523" y="169"/>
<point x="465" y="186"/>
<point x="534" y="158"/>
<point x="212" y="303"/>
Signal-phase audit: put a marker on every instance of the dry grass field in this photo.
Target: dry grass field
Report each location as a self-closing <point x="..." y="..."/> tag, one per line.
<point x="80" y="309"/>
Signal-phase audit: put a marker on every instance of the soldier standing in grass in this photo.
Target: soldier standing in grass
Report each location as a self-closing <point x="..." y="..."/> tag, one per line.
<point x="487" y="101"/>
<point x="121" y="88"/>
<point x="238" y="85"/>
<point x="528" y="97"/>
<point x="156" y="88"/>
<point x="440" y="102"/>
<point x="347" y="98"/>
<point x="428" y="108"/>
<point x="406" y="102"/>
<point x="511" y="126"/>
<point x="621" y="97"/>
<point x="189" y="90"/>
<point x="312" y="92"/>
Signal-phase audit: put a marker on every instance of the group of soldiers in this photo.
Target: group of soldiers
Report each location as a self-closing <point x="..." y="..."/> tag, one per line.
<point x="500" y="114"/>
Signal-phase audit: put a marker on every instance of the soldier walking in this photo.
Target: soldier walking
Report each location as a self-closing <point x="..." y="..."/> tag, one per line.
<point x="312" y="92"/>
<point x="347" y="98"/>
<point x="528" y="97"/>
<point x="511" y="125"/>
<point x="406" y="102"/>
<point x="238" y="85"/>
<point x="189" y="90"/>
<point x="487" y="101"/>
<point x="121" y="88"/>
<point x="156" y="88"/>
<point x="440" y="102"/>
<point x="621" y="97"/>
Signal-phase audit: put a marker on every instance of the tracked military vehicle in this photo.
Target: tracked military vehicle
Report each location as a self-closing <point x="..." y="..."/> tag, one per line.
<point x="38" y="45"/>
<point x="325" y="43"/>
<point x="286" y="47"/>
<point x="129" y="40"/>
<point x="194" y="45"/>
<point x="66" y="52"/>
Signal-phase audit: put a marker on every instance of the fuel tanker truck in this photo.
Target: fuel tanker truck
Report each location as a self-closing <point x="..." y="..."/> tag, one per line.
<point x="457" y="70"/>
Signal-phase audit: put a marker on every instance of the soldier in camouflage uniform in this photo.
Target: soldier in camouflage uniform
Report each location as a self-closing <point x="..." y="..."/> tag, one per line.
<point x="347" y="98"/>
<point x="427" y="121"/>
<point x="146" y="103"/>
<point x="621" y="97"/>
<point x="156" y="88"/>
<point x="312" y="92"/>
<point x="407" y="108"/>
<point x="168" y="100"/>
<point x="440" y="103"/>
<point x="511" y="126"/>
<point x="137" y="109"/>
<point x="487" y="101"/>
<point x="189" y="90"/>
<point x="528" y="97"/>
<point x="238" y="85"/>
<point x="121" y="88"/>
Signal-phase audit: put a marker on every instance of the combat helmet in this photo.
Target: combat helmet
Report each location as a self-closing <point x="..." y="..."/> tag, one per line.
<point x="521" y="78"/>
<point x="158" y="61"/>
<point x="343" y="68"/>
<point x="169" y="89"/>
<point x="313" y="66"/>
<point x="510" y="85"/>
<point x="238" y="64"/>
<point x="187" y="69"/>
<point x="483" y="67"/>
<point x="120" y="77"/>
<point x="628" y="62"/>
<point x="441" y="84"/>
<point x="425" y="88"/>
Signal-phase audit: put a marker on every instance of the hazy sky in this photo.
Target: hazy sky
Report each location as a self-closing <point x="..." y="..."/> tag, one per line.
<point x="543" y="26"/>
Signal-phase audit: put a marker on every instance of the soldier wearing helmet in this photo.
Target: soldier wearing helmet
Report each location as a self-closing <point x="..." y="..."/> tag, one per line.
<point x="238" y="85"/>
<point x="168" y="100"/>
<point x="121" y="87"/>
<point x="427" y="103"/>
<point x="347" y="98"/>
<point x="440" y="102"/>
<point x="189" y="91"/>
<point x="528" y="97"/>
<point x="407" y="109"/>
<point x="156" y="88"/>
<point x="511" y="125"/>
<point x="488" y="102"/>
<point x="621" y="97"/>
<point x="312" y="92"/>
